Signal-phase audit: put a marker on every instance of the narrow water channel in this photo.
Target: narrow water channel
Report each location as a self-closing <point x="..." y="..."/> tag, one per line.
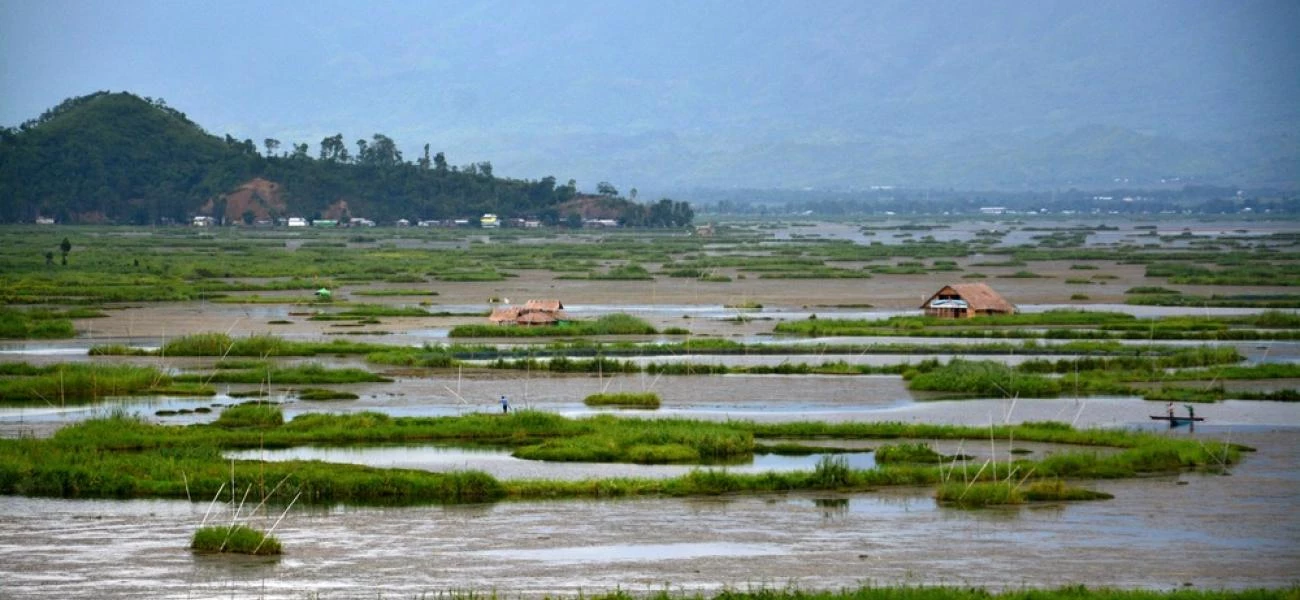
<point x="499" y="463"/>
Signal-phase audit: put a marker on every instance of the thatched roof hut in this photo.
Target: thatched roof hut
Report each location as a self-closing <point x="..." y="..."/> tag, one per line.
<point x="965" y="300"/>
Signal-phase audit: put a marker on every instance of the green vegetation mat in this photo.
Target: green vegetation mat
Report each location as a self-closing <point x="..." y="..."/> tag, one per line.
<point x="237" y="539"/>
<point x="123" y="457"/>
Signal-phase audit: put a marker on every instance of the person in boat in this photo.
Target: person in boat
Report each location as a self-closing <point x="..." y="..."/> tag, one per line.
<point x="1191" y="412"/>
<point x="1169" y="408"/>
<point x="505" y="405"/>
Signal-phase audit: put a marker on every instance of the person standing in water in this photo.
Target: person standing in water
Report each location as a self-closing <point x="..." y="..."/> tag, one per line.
<point x="505" y="405"/>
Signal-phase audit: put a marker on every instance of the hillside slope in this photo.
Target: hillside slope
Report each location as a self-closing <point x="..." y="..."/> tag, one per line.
<point x="115" y="157"/>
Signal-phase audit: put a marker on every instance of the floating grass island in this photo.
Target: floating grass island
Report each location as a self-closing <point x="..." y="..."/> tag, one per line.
<point x="236" y="539"/>
<point x="645" y="400"/>
<point x="125" y="457"/>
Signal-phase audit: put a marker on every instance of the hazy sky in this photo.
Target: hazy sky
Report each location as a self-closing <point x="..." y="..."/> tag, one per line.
<point x="595" y="89"/>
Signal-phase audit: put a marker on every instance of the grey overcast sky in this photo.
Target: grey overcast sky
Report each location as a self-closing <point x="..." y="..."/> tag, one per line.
<point x="664" y="92"/>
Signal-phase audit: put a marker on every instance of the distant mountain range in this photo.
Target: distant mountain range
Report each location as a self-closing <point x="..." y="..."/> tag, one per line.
<point x="851" y="94"/>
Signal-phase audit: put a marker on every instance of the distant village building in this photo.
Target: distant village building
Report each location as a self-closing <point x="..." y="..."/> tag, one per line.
<point x="202" y="221"/>
<point x="532" y="312"/>
<point x="297" y="222"/>
<point x="488" y="221"/>
<point x="44" y="220"/>
<point x="965" y="300"/>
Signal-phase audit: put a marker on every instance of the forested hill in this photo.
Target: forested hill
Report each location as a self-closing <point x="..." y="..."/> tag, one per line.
<point x="119" y="158"/>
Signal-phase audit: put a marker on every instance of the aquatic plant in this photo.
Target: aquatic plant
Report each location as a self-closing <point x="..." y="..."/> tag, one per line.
<point x="84" y="382"/>
<point x="614" y="324"/>
<point x="991" y="493"/>
<point x="917" y="452"/>
<point x="238" y="539"/>
<point x="319" y="394"/>
<point x="250" y="414"/>
<point x="624" y="399"/>
<point x="296" y="374"/>
<point x="985" y="378"/>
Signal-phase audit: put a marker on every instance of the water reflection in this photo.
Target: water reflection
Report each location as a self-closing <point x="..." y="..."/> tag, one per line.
<point x="500" y="463"/>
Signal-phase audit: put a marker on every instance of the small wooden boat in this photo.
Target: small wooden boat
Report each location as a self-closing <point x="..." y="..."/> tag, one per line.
<point x="1176" y="421"/>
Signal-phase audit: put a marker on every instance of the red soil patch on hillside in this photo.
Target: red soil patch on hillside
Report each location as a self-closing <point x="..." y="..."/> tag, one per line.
<point x="265" y="198"/>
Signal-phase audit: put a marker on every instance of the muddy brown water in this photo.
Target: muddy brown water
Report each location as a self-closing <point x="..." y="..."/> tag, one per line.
<point x="1208" y="531"/>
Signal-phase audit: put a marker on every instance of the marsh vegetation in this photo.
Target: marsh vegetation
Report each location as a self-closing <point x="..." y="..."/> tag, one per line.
<point x="662" y="306"/>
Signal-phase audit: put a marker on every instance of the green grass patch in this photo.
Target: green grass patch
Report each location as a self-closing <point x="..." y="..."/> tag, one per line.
<point x="237" y="539"/>
<point x="647" y="400"/>
<point x="76" y="383"/>
<point x="321" y="394"/>
<point x="983" y="378"/>
<point x="258" y="415"/>
<point x="614" y="324"/>
<point x="260" y="346"/>
<point x="297" y="374"/>
<point x="36" y="324"/>
<point x="995" y="493"/>
<point x="125" y="457"/>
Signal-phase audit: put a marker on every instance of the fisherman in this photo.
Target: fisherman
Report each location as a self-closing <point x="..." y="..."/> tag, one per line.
<point x="1191" y="412"/>
<point x="1169" y="407"/>
<point x="505" y="405"/>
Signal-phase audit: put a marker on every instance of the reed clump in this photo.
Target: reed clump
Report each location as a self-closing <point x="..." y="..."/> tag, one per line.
<point x="126" y="457"/>
<point x="260" y="346"/>
<point x="615" y="324"/>
<point x="297" y="374"/>
<point x="985" y="378"/>
<point x="238" y="539"/>
<point x="85" y="382"/>
<point x="908" y="453"/>
<point x="35" y="324"/>
<point x="994" y="493"/>
<point x="321" y="394"/>
<point x="251" y="414"/>
<point x="643" y="400"/>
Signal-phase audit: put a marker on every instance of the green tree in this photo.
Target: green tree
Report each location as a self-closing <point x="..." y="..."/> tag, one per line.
<point x="380" y="152"/>
<point x="332" y="149"/>
<point x="605" y="188"/>
<point x="65" y="246"/>
<point x="272" y="145"/>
